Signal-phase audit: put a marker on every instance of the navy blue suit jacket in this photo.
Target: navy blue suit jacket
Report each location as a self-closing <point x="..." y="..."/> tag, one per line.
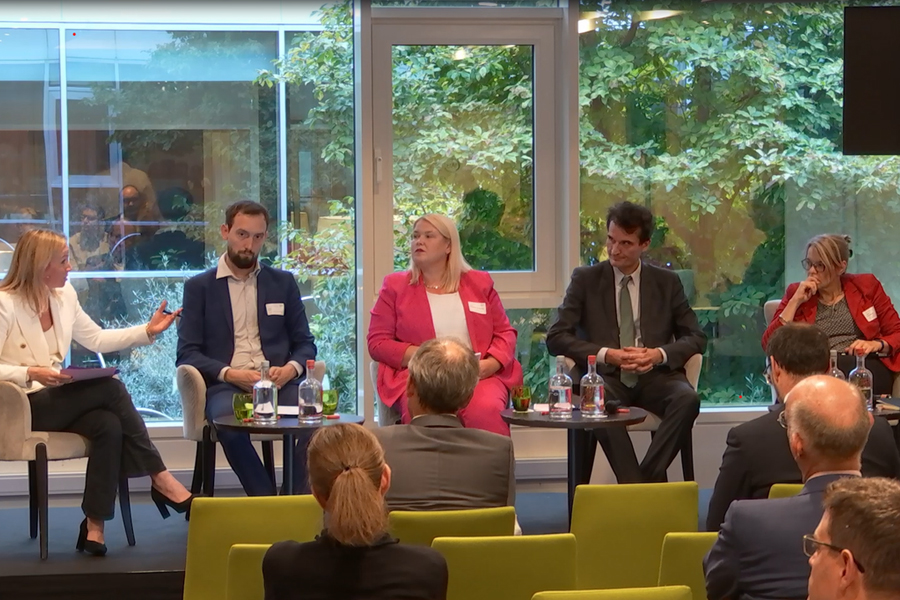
<point x="759" y="551"/>
<point x="206" y="331"/>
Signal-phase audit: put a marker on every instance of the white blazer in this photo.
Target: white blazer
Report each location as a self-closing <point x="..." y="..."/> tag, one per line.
<point x="22" y="341"/>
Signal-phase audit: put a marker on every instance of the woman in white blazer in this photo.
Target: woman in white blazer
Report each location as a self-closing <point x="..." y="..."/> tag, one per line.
<point x="39" y="317"/>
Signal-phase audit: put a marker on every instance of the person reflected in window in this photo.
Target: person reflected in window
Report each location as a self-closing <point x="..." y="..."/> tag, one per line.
<point x="484" y="247"/>
<point x="169" y="247"/>
<point x="89" y="247"/>
<point x="354" y="557"/>
<point x="39" y="317"/>
<point x="852" y="309"/>
<point x="442" y="296"/>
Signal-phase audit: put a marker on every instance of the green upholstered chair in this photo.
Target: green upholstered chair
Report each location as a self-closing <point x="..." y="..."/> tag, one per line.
<point x="421" y="527"/>
<point x="620" y="530"/>
<point x="508" y="567"/>
<point x="674" y="592"/>
<point x="785" y="490"/>
<point x="217" y="524"/>
<point x="682" y="561"/>
<point x="244" y="579"/>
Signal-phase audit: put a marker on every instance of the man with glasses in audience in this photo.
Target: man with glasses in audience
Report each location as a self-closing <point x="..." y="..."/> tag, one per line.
<point x="855" y="551"/>
<point x="759" y="552"/>
<point x="757" y="454"/>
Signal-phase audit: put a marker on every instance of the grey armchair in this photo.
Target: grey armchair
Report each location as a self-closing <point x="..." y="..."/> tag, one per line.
<point x="192" y="389"/>
<point x="19" y="443"/>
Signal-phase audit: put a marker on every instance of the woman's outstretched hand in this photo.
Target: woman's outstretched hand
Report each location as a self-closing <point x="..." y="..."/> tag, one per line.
<point x="161" y="319"/>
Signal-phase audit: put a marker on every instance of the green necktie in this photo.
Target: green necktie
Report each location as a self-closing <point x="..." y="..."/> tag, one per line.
<point x="626" y="328"/>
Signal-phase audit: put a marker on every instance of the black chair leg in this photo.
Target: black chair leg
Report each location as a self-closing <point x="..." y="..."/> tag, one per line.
<point x="125" y="508"/>
<point x="209" y="463"/>
<point x="32" y="499"/>
<point x="268" y="449"/>
<point x="197" y="479"/>
<point x="687" y="457"/>
<point x="43" y="494"/>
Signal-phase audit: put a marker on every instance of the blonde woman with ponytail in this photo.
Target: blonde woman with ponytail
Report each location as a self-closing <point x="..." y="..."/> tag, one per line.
<point x="354" y="557"/>
<point x="851" y="308"/>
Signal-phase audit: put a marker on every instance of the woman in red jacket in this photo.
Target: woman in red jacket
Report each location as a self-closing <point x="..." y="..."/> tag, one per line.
<point x="442" y="296"/>
<point x="852" y="309"/>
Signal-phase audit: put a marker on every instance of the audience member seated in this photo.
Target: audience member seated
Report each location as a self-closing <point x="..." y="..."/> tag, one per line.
<point x="852" y="309"/>
<point x="237" y="315"/>
<point x="757" y="453"/>
<point x="170" y="248"/>
<point x="88" y="248"/>
<point x="354" y="557"/>
<point x="436" y="463"/>
<point x="855" y="550"/>
<point x="759" y="553"/>
<point x="636" y="319"/>
<point x="442" y="296"/>
<point x="39" y="317"/>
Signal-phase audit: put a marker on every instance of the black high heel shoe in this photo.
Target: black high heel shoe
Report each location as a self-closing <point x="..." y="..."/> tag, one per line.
<point x="85" y="545"/>
<point x="163" y="501"/>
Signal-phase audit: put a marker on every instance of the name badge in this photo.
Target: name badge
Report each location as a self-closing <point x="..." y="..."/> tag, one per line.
<point x="275" y="309"/>
<point x="870" y="314"/>
<point x="478" y="307"/>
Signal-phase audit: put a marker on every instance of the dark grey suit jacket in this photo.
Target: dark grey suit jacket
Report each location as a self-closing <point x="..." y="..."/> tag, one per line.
<point x="437" y="464"/>
<point x="759" y="552"/>
<point x="588" y="321"/>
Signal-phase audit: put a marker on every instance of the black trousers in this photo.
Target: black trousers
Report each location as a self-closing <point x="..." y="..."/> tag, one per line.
<point x="100" y="410"/>
<point x="666" y="394"/>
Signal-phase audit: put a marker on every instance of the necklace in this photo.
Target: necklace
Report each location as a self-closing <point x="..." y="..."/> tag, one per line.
<point x="433" y="287"/>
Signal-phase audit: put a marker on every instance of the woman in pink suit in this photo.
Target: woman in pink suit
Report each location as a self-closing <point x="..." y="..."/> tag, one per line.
<point x="442" y="296"/>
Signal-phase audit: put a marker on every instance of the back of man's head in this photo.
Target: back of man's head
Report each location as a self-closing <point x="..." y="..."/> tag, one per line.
<point x="800" y="349"/>
<point x="863" y="516"/>
<point x="827" y="424"/>
<point x="443" y="374"/>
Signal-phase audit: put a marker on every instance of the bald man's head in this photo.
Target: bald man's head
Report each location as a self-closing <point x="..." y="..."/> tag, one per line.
<point x="829" y="416"/>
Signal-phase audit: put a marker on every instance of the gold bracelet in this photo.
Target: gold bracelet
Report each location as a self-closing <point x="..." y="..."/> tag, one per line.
<point x="150" y="336"/>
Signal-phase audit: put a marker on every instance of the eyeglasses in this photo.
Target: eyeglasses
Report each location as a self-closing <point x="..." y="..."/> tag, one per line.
<point x="811" y="545"/>
<point x="782" y="420"/>
<point x="767" y="373"/>
<point x="819" y="266"/>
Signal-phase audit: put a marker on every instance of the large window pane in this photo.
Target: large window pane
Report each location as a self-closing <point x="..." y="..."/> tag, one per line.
<point x="725" y="119"/>
<point x="29" y="82"/>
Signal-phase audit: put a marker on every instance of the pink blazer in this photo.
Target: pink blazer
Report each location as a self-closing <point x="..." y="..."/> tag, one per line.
<point x="402" y="318"/>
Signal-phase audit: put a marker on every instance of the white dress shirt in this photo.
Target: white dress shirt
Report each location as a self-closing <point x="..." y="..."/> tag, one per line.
<point x="635" y="290"/>
<point x="248" y="352"/>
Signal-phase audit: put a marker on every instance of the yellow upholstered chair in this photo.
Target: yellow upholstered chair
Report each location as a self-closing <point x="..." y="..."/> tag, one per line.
<point x="681" y="562"/>
<point x="509" y="567"/>
<point x="421" y="527"/>
<point x="785" y="490"/>
<point x="674" y="592"/>
<point x="244" y="579"/>
<point x="620" y="530"/>
<point x="217" y="524"/>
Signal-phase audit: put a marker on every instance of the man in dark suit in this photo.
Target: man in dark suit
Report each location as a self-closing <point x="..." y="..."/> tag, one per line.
<point x="757" y="454"/>
<point x="436" y="464"/>
<point x="637" y="320"/>
<point x="759" y="552"/>
<point x="235" y="316"/>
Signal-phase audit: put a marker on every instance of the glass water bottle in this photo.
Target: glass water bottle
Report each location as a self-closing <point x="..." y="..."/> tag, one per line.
<point x="265" y="397"/>
<point x="309" y="396"/>
<point x="835" y="371"/>
<point x="592" y="393"/>
<point x="861" y="377"/>
<point x="560" y="397"/>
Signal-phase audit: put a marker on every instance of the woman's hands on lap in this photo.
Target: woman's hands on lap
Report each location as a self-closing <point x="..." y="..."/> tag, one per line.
<point x="488" y="367"/>
<point x="160" y="321"/>
<point x="47" y="377"/>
